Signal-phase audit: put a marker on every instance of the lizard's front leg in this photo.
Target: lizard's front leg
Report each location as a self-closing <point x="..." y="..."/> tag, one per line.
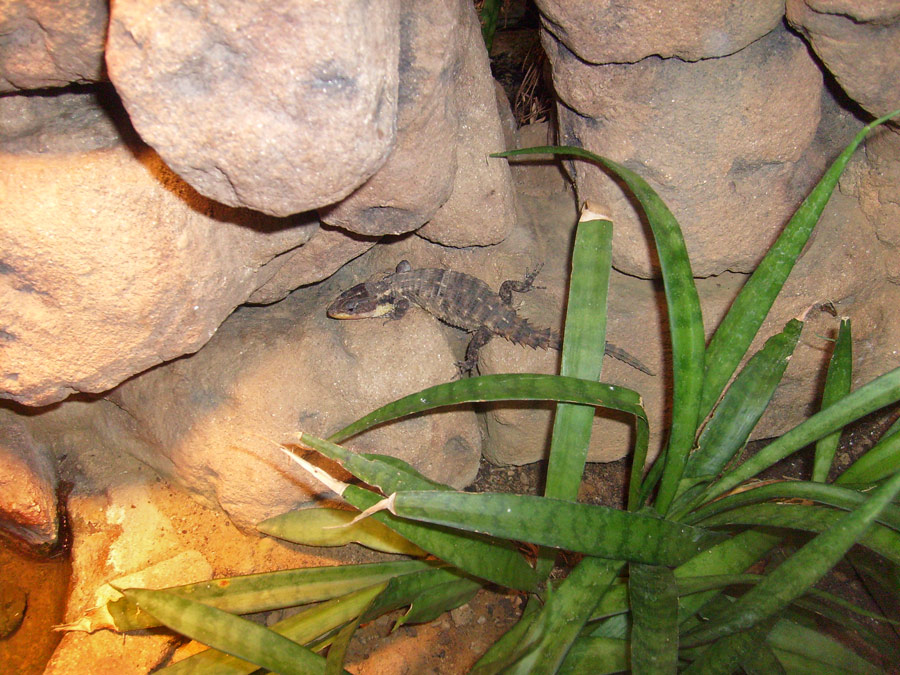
<point x="399" y="307"/>
<point x="479" y="339"/>
<point x="524" y="286"/>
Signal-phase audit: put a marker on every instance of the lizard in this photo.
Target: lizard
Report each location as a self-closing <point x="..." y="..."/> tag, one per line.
<point x="460" y="300"/>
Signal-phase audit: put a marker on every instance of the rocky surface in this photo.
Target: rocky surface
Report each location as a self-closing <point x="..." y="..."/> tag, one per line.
<point x="52" y="44"/>
<point x="199" y="82"/>
<point x="28" y="483"/>
<point x="607" y="31"/>
<point x="139" y="265"/>
<point x="859" y="43"/>
<point x="731" y="160"/>
<point x="111" y="263"/>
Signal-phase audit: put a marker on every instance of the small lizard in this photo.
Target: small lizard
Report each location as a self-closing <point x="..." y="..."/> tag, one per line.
<point x="459" y="300"/>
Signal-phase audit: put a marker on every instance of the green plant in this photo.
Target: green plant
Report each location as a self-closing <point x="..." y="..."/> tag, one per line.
<point x="662" y="586"/>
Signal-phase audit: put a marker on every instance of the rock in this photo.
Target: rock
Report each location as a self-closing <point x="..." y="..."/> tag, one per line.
<point x="28" y="482"/>
<point x="709" y="137"/>
<point x="410" y="187"/>
<point x="107" y="248"/>
<point x="209" y="422"/>
<point x="481" y="210"/>
<point x="327" y="250"/>
<point x="50" y="44"/>
<point x="537" y="175"/>
<point x="858" y="41"/>
<point x="451" y="117"/>
<point x="134" y="530"/>
<point x="13" y="603"/>
<point x="278" y="108"/>
<point x="617" y="32"/>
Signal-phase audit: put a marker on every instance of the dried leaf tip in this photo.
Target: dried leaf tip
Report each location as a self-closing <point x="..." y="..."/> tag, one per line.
<point x="592" y="211"/>
<point x="319" y="474"/>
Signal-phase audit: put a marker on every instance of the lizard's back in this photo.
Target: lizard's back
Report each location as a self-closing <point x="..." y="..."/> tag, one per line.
<point x="467" y="302"/>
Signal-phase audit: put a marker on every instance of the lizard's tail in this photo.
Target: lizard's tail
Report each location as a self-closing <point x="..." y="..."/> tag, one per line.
<point x="523" y="333"/>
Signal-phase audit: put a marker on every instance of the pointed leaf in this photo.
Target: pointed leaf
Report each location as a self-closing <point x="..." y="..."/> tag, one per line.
<point x="837" y="385"/>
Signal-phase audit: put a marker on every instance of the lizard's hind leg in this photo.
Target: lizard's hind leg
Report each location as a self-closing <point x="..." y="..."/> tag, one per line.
<point x="479" y="339"/>
<point x="524" y="286"/>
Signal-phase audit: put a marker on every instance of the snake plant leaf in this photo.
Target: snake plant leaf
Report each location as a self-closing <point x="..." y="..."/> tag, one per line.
<point x="302" y="628"/>
<point x="830" y="495"/>
<point x="880" y="461"/>
<point x="789" y="637"/>
<point x="567" y="609"/>
<point x="743" y="404"/>
<point x="727" y="653"/>
<point x="654" y="611"/>
<point x="685" y="318"/>
<point x="838" y="380"/>
<point x="880" y="539"/>
<point x="487" y="558"/>
<point x="266" y="591"/>
<point x="732" y="338"/>
<point x="731" y="556"/>
<point x="228" y="633"/>
<point x="597" y="655"/>
<point x="876" y="394"/>
<point x="506" y="387"/>
<point x="585" y="329"/>
<point x="439" y="598"/>
<point x="316" y="526"/>
<point x="594" y="530"/>
<point x="803" y="569"/>
<point x="512" y="645"/>
<point x="404" y="591"/>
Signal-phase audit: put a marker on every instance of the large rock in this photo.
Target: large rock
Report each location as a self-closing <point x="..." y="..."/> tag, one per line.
<point x="731" y="160"/>
<point x="208" y="422"/>
<point x="859" y="42"/>
<point x="277" y="107"/>
<point x="607" y="31"/>
<point x="111" y="263"/>
<point x="51" y="44"/>
<point x="481" y="210"/>
<point x="446" y="110"/>
<point x="28" y="482"/>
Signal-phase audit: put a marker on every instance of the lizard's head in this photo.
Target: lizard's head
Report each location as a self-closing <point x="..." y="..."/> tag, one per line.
<point x="363" y="301"/>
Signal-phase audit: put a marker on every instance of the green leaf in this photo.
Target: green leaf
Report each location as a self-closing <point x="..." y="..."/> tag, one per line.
<point x="654" y="610"/>
<point x="594" y="530"/>
<point x="879" y="539"/>
<point x="743" y="404"/>
<point x="483" y="557"/>
<point x="878" y="393"/>
<point x="729" y="557"/>
<point x="436" y="600"/>
<point x="317" y="526"/>
<point x="831" y="495"/>
<point x="509" y="648"/>
<point x="506" y="387"/>
<point x="732" y="339"/>
<point x="799" y="572"/>
<point x="791" y="637"/>
<point x="727" y="653"/>
<point x="302" y="628"/>
<point x="567" y="609"/>
<point x="228" y="633"/>
<point x="837" y="385"/>
<point x="685" y="318"/>
<point x="597" y="655"/>
<point x="271" y="590"/>
<point x="585" y="330"/>
<point x="880" y="461"/>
